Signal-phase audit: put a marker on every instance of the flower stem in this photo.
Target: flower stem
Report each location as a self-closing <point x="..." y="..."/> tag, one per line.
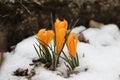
<point x="54" y="64"/>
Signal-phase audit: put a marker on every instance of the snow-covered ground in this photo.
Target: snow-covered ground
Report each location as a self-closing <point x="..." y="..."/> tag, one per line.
<point x="102" y="57"/>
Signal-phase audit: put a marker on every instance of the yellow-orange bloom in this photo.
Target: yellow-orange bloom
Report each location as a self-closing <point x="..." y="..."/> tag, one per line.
<point x="60" y="30"/>
<point x="60" y="38"/>
<point x="45" y="36"/>
<point x="60" y="24"/>
<point x="72" y="44"/>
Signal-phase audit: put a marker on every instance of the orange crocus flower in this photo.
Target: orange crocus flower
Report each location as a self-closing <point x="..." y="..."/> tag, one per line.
<point x="45" y="36"/>
<point x="72" y="44"/>
<point x="60" y="30"/>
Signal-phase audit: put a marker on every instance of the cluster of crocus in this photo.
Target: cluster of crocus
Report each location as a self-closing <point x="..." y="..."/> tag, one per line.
<point x="60" y="36"/>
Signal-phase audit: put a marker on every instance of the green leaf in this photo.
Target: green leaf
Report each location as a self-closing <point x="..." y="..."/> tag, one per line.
<point x="36" y="51"/>
<point x="52" y="21"/>
<point x="48" y="55"/>
<point x="77" y="59"/>
<point x="67" y="60"/>
<point x="41" y="52"/>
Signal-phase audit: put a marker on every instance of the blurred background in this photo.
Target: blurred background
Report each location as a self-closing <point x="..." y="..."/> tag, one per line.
<point x="19" y="19"/>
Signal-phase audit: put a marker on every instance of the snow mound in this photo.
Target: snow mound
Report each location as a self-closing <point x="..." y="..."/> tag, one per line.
<point x="106" y="36"/>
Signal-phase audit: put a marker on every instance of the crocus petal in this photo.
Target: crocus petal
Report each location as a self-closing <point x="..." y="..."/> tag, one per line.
<point x="72" y="44"/>
<point x="60" y="24"/>
<point x="40" y="34"/>
<point x="60" y="37"/>
<point x="45" y="36"/>
<point x="63" y="24"/>
<point x="50" y="36"/>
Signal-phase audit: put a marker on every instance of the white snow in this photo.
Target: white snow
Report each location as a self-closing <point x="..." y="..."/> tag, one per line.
<point x="102" y="57"/>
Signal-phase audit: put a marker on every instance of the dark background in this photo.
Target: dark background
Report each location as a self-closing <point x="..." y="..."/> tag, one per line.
<point x="20" y="18"/>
